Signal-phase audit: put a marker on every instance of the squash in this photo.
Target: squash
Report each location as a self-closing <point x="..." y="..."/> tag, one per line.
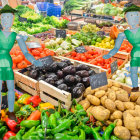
<point x="114" y="32"/>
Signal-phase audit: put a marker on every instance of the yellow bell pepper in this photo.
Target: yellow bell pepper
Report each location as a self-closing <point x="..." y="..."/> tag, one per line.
<point x="46" y="106"/>
<point x="3" y="115"/>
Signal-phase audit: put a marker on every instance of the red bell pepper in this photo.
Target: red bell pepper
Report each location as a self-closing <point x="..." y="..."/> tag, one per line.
<point x="12" y="124"/>
<point x="8" y="135"/>
<point x="34" y="100"/>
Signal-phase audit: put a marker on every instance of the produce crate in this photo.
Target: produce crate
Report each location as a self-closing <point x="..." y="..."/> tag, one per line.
<point x="26" y="83"/>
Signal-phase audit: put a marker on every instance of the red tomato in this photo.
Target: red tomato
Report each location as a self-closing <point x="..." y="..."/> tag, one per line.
<point x="73" y="53"/>
<point x="36" y="52"/>
<point x="83" y="58"/>
<point x="28" y="62"/>
<point x="43" y="45"/>
<point x="42" y="54"/>
<point x="22" y="65"/>
<point x="40" y="49"/>
<point x="36" y="57"/>
<point x="14" y="66"/>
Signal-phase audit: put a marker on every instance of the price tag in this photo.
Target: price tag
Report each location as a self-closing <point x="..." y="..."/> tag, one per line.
<point x="33" y="45"/>
<point x="114" y="67"/>
<point x="61" y="33"/>
<point x="21" y="19"/>
<point x="80" y="49"/>
<point x="46" y="60"/>
<point x="98" y="80"/>
<point x="4" y="102"/>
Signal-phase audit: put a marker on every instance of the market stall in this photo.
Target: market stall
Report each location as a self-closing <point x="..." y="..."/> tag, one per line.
<point x="76" y="93"/>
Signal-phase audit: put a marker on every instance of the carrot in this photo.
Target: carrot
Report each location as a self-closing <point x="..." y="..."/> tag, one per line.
<point x="35" y="115"/>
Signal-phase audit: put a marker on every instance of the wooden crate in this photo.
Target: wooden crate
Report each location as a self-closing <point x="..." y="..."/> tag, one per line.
<point x="26" y="83"/>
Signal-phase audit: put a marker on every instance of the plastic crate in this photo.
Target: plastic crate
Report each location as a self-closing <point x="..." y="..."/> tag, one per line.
<point x="42" y="6"/>
<point x="54" y="11"/>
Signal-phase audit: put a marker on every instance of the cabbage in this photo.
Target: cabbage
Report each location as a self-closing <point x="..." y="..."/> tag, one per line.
<point x="120" y="79"/>
<point x="113" y="12"/>
<point x="128" y="81"/>
<point x="106" y="11"/>
<point x="99" y="12"/>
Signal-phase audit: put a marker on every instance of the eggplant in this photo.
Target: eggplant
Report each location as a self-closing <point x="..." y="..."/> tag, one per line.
<point x="40" y="73"/>
<point x="53" y="76"/>
<point x="46" y="75"/>
<point x="69" y="79"/>
<point x="41" y="78"/>
<point x="77" y="79"/>
<point x="77" y="92"/>
<point x="62" y="65"/>
<point x="33" y="74"/>
<point x="67" y="61"/>
<point x="91" y="72"/>
<point x="86" y="81"/>
<point x="69" y="70"/>
<point x="59" y="82"/>
<point x="60" y="74"/>
<point x="82" y="73"/>
<point x="53" y="67"/>
<point x="50" y="81"/>
<point x="63" y="87"/>
<point x="82" y="67"/>
<point x="81" y="85"/>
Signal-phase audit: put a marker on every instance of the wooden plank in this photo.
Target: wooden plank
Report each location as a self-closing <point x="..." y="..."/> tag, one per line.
<point x="78" y="12"/>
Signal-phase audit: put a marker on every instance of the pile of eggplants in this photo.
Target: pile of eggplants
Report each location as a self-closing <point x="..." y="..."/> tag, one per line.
<point x="64" y="75"/>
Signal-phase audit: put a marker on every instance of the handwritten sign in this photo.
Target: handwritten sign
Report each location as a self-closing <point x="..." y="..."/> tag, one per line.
<point x="4" y="102"/>
<point x="80" y="49"/>
<point x="46" y="60"/>
<point x="61" y="33"/>
<point x="21" y="19"/>
<point x="98" y="80"/>
<point x="114" y="67"/>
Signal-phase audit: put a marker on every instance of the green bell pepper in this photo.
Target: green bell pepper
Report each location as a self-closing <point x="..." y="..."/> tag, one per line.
<point x="29" y="123"/>
<point x="16" y="107"/>
<point x="23" y="99"/>
<point x="27" y="134"/>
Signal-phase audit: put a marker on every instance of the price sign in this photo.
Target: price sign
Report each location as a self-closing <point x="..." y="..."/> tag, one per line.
<point x="114" y="67"/>
<point x="4" y="102"/>
<point x="61" y="33"/>
<point x="80" y="49"/>
<point x="33" y="45"/>
<point x="46" y="60"/>
<point x="98" y="80"/>
<point x="21" y="19"/>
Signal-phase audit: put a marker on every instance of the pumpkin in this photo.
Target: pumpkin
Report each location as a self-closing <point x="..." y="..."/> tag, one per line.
<point x="114" y="32"/>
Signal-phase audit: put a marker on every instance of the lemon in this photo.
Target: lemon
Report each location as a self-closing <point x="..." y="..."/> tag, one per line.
<point x="112" y="42"/>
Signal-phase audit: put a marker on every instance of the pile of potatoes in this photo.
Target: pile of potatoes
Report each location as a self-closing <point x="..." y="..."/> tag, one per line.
<point x="112" y="103"/>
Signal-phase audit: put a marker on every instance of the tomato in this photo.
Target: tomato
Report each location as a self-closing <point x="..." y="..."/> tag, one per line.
<point x="20" y="58"/>
<point x="43" y="45"/>
<point x="14" y="66"/>
<point x="83" y="58"/>
<point x="15" y="59"/>
<point x="40" y="49"/>
<point x="42" y="54"/>
<point x="36" y="52"/>
<point x="73" y="53"/>
<point x="22" y="65"/>
<point x="28" y="62"/>
<point x="36" y="57"/>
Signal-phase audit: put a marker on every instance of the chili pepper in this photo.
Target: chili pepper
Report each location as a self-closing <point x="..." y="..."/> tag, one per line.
<point x="82" y="135"/>
<point x="108" y="131"/>
<point x="16" y="107"/>
<point x="8" y="135"/>
<point x="39" y="127"/>
<point x="49" y="137"/>
<point x="45" y="106"/>
<point x="65" y="111"/>
<point x="79" y="107"/>
<point x="27" y="134"/>
<point x="23" y="99"/>
<point x="33" y="138"/>
<point x="29" y="123"/>
<point x="74" y="132"/>
<point x="1" y="123"/>
<point x="114" y="138"/>
<point x="57" y="115"/>
<point x="44" y="120"/>
<point x="34" y="100"/>
<point x="61" y="127"/>
<point x="11" y="124"/>
<point x="35" y="115"/>
<point x="62" y="136"/>
<point x="52" y="121"/>
<point x="95" y="133"/>
<point x="85" y="120"/>
<point x="86" y="128"/>
<point x="3" y="130"/>
<point x="20" y="133"/>
<point x="81" y="112"/>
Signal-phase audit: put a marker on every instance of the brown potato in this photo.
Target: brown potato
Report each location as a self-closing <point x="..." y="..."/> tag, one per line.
<point x="117" y="115"/>
<point x="138" y="122"/>
<point x="110" y="105"/>
<point x="116" y="84"/>
<point x="138" y="101"/>
<point x="135" y="133"/>
<point x="134" y="113"/>
<point x="99" y="93"/>
<point x="134" y="96"/>
<point x="86" y="105"/>
<point x="119" y="105"/>
<point x="103" y="100"/>
<point x="89" y="109"/>
<point x="129" y="105"/>
<point x="109" y="84"/>
<point x="88" y="91"/>
<point x="93" y="100"/>
<point x="119" y="122"/>
<point x="114" y="88"/>
<point x="122" y="132"/>
<point x="122" y="96"/>
<point x="103" y="88"/>
<point x="134" y="138"/>
<point x="112" y="95"/>
<point x="129" y="121"/>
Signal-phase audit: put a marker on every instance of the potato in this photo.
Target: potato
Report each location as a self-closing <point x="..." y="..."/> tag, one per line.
<point x="114" y="88"/>
<point x="112" y="95"/>
<point x="129" y="121"/>
<point x="110" y="105"/>
<point x="122" y="132"/>
<point x="119" y="122"/>
<point x="99" y="93"/>
<point x="134" y="113"/>
<point x="103" y="100"/>
<point x="117" y="115"/>
<point x="116" y="84"/>
<point x="109" y="84"/>
<point x="97" y="89"/>
<point x="100" y="114"/>
<point x="86" y="105"/>
<point x="134" y="138"/>
<point x="137" y="108"/>
<point x="122" y="96"/>
<point x="138" y="101"/>
<point x="108" y="122"/>
<point x="93" y="100"/>
<point x="129" y="105"/>
<point x="138" y="122"/>
<point x="88" y="91"/>
<point x="119" y="105"/>
<point x="134" y="96"/>
<point x="135" y="133"/>
<point x="89" y="109"/>
<point x="103" y="88"/>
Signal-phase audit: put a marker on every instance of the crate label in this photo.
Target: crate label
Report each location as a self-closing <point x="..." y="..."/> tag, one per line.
<point x="4" y="102"/>
<point x="98" y="80"/>
<point x="46" y="60"/>
<point x="61" y="33"/>
<point x="114" y="67"/>
<point x="21" y="19"/>
<point x="80" y="49"/>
